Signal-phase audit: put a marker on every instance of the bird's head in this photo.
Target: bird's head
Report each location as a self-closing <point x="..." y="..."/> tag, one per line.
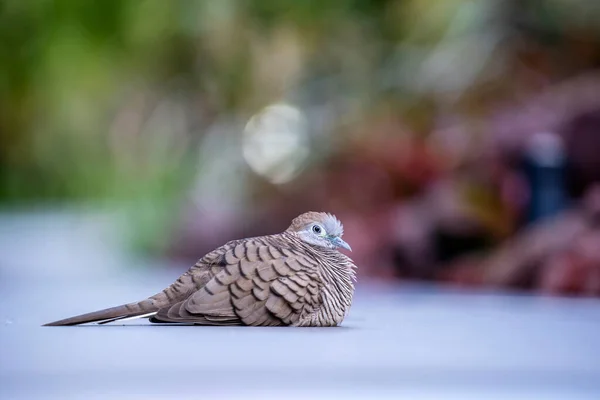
<point x="319" y="229"/>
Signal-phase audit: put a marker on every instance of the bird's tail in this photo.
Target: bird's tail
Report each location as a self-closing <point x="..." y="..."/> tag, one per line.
<point x="139" y="309"/>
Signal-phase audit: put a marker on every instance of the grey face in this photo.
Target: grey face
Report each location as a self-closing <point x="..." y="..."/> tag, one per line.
<point x="325" y="234"/>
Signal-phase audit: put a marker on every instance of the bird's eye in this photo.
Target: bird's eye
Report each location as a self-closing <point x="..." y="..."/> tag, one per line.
<point x="317" y="229"/>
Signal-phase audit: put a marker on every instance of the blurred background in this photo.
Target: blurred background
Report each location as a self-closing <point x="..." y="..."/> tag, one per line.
<point x="458" y="141"/>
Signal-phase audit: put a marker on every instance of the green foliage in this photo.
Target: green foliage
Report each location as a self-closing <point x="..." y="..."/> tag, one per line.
<point x="84" y="84"/>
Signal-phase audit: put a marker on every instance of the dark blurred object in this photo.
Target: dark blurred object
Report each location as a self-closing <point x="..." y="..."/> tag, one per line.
<point x="558" y="255"/>
<point x="582" y="135"/>
<point x="544" y="167"/>
<point x="434" y="229"/>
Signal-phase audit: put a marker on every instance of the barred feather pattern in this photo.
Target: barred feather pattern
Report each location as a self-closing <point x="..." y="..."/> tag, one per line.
<point x="276" y="280"/>
<point x="337" y="275"/>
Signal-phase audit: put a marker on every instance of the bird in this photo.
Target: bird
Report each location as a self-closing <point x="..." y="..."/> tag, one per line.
<point x="294" y="278"/>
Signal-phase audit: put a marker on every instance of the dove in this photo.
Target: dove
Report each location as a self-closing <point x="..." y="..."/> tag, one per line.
<point x="294" y="278"/>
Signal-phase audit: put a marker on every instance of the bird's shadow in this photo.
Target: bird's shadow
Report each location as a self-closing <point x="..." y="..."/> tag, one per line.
<point x="155" y="325"/>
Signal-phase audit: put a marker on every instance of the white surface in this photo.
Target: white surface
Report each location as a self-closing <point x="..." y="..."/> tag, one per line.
<point x="408" y="341"/>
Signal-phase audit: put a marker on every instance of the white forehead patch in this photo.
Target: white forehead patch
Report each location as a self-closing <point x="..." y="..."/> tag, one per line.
<point x="332" y="225"/>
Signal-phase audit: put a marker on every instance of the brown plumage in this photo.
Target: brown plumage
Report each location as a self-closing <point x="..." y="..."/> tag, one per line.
<point x="296" y="278"/>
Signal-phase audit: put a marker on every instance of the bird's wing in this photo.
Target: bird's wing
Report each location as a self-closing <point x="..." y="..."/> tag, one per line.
<point x="260" y="281"/>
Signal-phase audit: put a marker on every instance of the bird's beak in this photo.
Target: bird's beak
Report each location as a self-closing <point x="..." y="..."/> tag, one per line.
<point x="338" y="242"/>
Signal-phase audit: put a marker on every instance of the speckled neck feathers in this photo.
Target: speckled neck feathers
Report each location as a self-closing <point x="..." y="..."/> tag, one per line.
<point x="337" y="274"/>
